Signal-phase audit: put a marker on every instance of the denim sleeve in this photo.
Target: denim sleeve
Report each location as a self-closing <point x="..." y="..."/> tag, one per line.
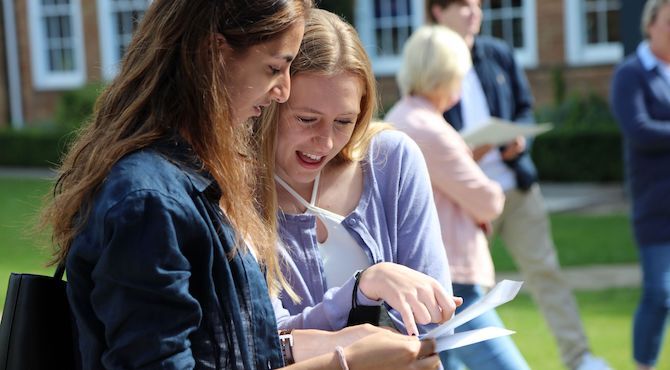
<point x="141" y="283"/>
<point x="629" y="105"/>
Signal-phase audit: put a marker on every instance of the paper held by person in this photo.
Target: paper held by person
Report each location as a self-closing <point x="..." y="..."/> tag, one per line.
<point x="503" y="292"/>
<point x="499" y="132"/>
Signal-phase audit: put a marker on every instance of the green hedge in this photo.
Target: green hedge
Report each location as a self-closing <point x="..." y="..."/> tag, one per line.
<point x="561" y="155"/>
<point x="32" y="148"/>
<point x="583" y="156"/>
<point x="585" y="144"/>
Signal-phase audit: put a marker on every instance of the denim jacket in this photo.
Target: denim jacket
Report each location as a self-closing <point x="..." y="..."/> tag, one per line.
<point x="508" y="96"/>
<point x="150" y="281"/>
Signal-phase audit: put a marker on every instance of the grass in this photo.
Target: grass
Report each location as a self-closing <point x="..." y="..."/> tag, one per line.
<point x="19" y="249"/>
<point x="607" y="320"/>
<point x="582" y="239"/>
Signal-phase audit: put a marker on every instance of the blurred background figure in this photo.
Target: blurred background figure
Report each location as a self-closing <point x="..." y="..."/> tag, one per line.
<point x="496" y="86"/>
<point x="435" y="60"/>
<point x="640" y="101"/>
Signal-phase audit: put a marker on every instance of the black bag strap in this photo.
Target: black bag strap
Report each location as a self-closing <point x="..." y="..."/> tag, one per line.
<point x="60" y="270"/>
<point x="354" y="301"/>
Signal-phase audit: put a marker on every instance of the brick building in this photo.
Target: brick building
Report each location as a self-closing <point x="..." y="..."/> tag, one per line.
<point x="50" y="46"/>
<point x="578" y="40"/>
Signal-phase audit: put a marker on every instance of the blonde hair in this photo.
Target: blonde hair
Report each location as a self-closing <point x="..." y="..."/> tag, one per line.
<point x="434" y="56"/>
<point x="649" y="14"/>
<point x="330" y="46"/>
<point x="171" y="82"/>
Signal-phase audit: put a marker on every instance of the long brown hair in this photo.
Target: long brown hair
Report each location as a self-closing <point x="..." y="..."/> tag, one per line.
<point x="171" y="81"/>
<point x="330" y="46"/>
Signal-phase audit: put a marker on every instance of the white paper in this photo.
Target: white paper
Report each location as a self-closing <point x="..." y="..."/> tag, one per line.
<point x="499" y="132"/>
<point x="503" y="292"/>
<point x="469" y="337"/>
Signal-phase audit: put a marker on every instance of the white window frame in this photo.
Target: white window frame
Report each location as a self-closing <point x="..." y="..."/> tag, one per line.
<point x="43" y="78"/>
<point x="527" y="55"/>
<point x="109" y="38"/>
<point x="578" y="53"/>
<point x="383" y="65"/>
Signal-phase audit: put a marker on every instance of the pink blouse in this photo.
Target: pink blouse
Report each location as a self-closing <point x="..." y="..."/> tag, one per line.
<point x="464" y="196"/>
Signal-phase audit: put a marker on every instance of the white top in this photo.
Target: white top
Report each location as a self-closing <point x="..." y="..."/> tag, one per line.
<point x="475" y="113"/>
<point x="649" y="60"/>
<point x="341" y="255"/>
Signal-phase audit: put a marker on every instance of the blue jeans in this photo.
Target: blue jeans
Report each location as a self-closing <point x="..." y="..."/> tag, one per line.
<point x="495" y="354"/>
<point x="652" y="310"/>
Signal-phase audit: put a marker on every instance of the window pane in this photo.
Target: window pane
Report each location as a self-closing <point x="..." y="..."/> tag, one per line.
<point x="504" y="19"/>
<point x="68" y="59"/>
<point x="55" y="60"/>
<point x="591" y="26"/>
<point x="497" y="28"/>
<point x="517" y="30"/>
<point x="392" y="25"/>
<point x="126" y="15"/>
<point x="613" y="27"/>
<point x="601" y="21"/>
<point x="494" y="4"/>
<point x="59" y="33"/>
<point x="65" y="28"/>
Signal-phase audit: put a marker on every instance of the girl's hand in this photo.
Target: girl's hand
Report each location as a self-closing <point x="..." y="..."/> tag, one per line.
<point x="390" y="351"/>
<point x="417" y="297"/>
<point x="310" y="343"/>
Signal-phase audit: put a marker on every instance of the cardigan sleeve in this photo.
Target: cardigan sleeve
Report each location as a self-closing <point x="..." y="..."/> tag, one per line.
<point x="419" y="243"/>
<point x="629" y="101"/>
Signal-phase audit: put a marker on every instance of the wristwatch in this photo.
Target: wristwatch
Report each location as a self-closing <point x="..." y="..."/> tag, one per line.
<point x="286" y="342"/>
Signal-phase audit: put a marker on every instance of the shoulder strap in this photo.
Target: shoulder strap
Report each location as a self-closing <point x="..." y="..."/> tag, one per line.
<point x="295" y="194"/>
<point x="60" y="270"/>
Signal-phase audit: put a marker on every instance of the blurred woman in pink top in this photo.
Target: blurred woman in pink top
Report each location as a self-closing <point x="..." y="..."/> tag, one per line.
<point x="435" y="61"/>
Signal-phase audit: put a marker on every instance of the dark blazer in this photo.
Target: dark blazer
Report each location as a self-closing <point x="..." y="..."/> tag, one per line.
<point x="640" y="101"/>
<point x="508" y="95"/>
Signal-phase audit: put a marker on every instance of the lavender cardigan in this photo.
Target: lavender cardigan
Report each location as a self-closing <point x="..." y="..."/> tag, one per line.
<point x="395" y="221"/>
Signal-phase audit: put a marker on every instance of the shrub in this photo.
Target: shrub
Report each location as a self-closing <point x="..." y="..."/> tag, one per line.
<point x="343" y="8"/>
<point x="585" y="144"/>
<point x="32" y="148"/>
<point x="580" y="113"/>
<point x="74" y="107"/>
<point x="581" y="156"/>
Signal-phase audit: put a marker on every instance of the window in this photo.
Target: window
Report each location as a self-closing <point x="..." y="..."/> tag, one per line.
<point x="118" y="20"/>
<point x="56" y="44"/>
<point x="592" y="31"/>
<point x="514" y="22"/>
<point x="384" y="26"/>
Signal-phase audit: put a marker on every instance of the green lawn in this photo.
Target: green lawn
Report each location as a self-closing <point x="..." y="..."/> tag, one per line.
<point x="19" y="249"/>
<point x="582" y="240"/>
<point x="607" y="319"/>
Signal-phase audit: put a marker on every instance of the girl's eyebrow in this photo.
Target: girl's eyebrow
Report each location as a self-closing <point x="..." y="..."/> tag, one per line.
<point x="312" y="110"/>
<point x="286" y="57"/>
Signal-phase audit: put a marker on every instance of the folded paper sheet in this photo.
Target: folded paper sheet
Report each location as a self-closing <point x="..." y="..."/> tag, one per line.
<point x="499" y="132"/>
<point x="503" y="292"/>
